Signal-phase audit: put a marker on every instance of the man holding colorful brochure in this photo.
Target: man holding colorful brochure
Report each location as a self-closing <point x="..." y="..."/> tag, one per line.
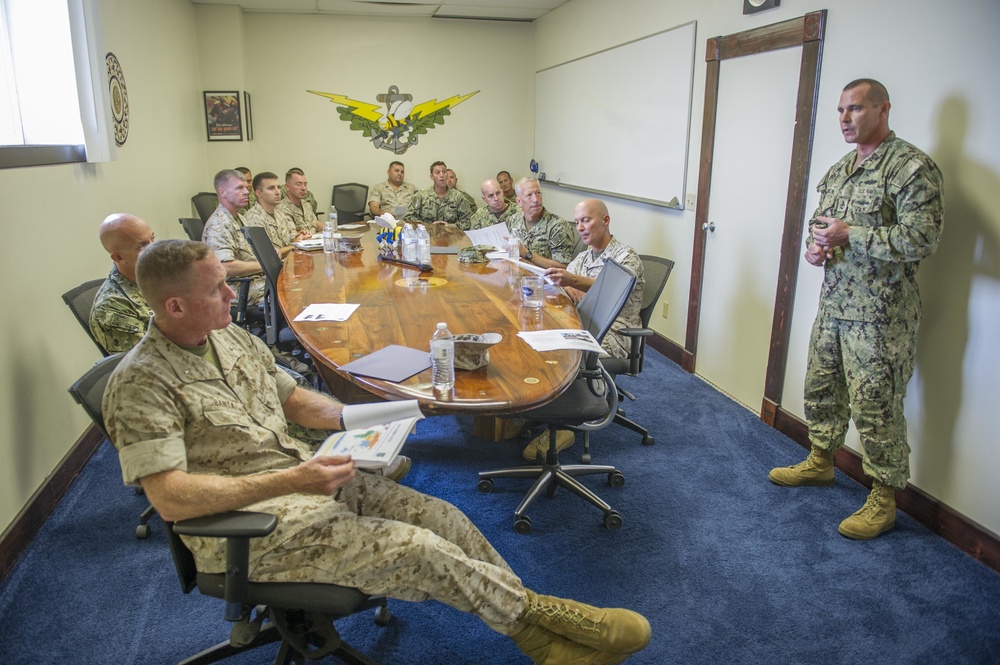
<point x="197" y="412"/>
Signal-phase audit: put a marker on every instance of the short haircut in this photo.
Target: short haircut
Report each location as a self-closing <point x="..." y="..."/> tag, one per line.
<point x="522" y="182"/>
<point x="225" y="175"/>
<point x="507" y="173"/>
<point x="262" y="176"/>
<point x="438" y="163"/>
<point x="242" y="169"/>
<point x="293" y="171"/>
<point x="877" y="94"/>
<point x="162" y="268"/>
<point x="391" y="164"/>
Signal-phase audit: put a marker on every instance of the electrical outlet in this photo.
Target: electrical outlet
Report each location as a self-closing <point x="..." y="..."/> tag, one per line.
<point x="690" y="200"/>
<point x="666" y="309"/>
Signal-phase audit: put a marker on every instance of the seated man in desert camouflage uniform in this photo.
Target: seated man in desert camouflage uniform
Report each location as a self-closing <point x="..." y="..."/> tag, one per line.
<point x="197" y="412"/>
<point x="280" y="230"/>
<point x="119" y="315"/>
<point x="296" y="205"/>
<point x="224" y="232"/>
<point x="393" y="194"/>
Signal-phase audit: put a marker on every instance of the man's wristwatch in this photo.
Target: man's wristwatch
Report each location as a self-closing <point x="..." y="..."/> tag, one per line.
<point x="528" y="254"/>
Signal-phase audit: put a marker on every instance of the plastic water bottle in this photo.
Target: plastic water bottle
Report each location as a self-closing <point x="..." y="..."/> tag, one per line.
<point x="442" y="358"/>
<point x="409" y="243"/>
<point x="514" y="246"/>
<point x="333" y="217"/>
<point x="329" y="242"/>
<point x="423" y="244"/>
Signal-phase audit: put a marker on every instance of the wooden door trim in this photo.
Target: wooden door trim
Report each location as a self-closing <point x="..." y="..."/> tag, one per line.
<point x="807" y="31"/>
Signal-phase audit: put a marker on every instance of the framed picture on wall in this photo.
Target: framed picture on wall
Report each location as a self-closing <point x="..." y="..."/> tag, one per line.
<point x="224" y="116"/>
<point x="248" y="115"/>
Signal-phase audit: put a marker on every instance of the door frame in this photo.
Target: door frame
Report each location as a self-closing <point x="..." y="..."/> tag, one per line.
<point x="807" y="31"/>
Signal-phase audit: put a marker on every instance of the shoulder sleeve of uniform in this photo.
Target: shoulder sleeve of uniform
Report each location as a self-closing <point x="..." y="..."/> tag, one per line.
<point x="561" y="241"/>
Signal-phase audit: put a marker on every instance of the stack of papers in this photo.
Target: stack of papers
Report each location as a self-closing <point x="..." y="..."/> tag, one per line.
<point x="309" y="244"/>
<point x="560" y="340"/>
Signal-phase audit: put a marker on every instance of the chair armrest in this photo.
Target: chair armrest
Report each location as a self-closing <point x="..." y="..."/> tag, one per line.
<point x="635" y="332"/>
<point x="237" y="527"/>
<point x="242" y="296"/>
<point x="636" y="336"/>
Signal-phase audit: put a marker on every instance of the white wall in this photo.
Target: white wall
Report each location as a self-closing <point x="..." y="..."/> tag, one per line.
<point x="944" y="99"/>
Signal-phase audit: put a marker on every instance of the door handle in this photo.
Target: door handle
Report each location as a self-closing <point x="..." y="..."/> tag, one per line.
<point x="708" y="226"/>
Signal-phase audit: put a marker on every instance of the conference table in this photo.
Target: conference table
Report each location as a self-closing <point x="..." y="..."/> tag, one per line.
<point x="401" y="305"/>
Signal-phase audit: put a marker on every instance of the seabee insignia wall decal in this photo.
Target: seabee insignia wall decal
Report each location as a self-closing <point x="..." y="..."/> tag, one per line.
<point x="401" y="124"/>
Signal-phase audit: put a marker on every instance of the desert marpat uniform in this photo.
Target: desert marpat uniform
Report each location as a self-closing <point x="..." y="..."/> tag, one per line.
<point x="309" y="199"/>
<point x="224" y="235"/>
<point x="279" y="230"/>
<point x="551" y="236"/>
<point x="863" y="342"/>
<point x="251" y="201"/>
<point x="168" y="408"/>
<point x="388" y="198"/>
<point x="590" y="264"/>
<point x="302" y="217"/>
<point x="484" y="217"/>
<point x="120" y="314"/>
<point x="427" y="207"/>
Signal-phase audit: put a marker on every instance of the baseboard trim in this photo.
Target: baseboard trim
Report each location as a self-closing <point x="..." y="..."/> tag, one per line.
<point x="974" y="539"/>
<point x="19" y="534"/>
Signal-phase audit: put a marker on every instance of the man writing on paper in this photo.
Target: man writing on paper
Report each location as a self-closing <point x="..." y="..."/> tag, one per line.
<point x="593" y="223"/>
<point x="197" y="412"/>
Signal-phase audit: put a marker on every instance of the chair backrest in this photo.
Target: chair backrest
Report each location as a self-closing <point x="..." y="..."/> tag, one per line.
<point x="655" y="272"/>
<point x="194" y="227"/>
<point x="350" y="199"/>
<point x="205" y="204"/>
<point x="88" y="390"/>
<point x="604" y="301"/>
<point x="80" y="301"/>
<point x="270" y="263"/>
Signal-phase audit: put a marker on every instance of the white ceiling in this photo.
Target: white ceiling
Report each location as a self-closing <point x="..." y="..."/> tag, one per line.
<point x="492" y="10"/>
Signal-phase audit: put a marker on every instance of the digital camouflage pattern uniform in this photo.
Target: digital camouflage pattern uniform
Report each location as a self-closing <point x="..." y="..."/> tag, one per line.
<point x="469" y="198"/>
<point x="310" y="198"/>
<point x="863" y="342"/>
<point x="302" y="217"/>
<point x="119" y="316"/>
<point x="222" y="233"/>
<point x="168" y="408"/>
<point x="251" y="202"/>
<point x="279" y="229"/>
<point x="388" y="198"/>
<point x="590" y="264"/>
<point x="427" y="207"/>
<point x="484" y="217"/>
<point x="551" y="236"/>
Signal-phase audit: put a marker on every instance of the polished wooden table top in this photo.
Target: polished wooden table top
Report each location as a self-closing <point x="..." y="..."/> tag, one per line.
<point x="400" y="305"/>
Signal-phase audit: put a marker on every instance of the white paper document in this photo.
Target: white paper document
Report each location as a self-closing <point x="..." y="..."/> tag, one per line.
<point x="353" y="225"/>
<point x="377" y="413"/>
<point x="309" y="244"/>
<point x="561" y="339"/>
<point x="327" y="312"/>
<point x="495" y="236"/>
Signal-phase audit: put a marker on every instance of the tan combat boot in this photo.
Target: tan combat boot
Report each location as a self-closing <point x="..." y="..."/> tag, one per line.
<point x="540" y="444"/>
<point x="613" y="631"/>
<point x="546" y="648"/>
<point x="878" y="515"/>
<point x="817" y="469"/>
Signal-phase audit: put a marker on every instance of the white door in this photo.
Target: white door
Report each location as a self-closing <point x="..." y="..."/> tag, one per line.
<point x="753" y="148"/>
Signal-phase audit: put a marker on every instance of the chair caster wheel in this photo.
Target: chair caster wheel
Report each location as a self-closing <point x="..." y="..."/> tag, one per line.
<point x="485" y="485"/>
<point x="522" y="525"/>
<point x="382" y="616"/>
<point x="616" y="479"/>
<point x="142" y="531"/>
<point x="613" y="520"/>
<point x="648" y="440"/>
<point x="585" y="458"/>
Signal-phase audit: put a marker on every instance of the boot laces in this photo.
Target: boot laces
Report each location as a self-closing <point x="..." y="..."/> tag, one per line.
<point x="569" y="615"/>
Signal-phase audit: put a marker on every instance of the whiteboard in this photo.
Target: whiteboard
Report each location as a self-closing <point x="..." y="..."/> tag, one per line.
<point x="617" y="121"/>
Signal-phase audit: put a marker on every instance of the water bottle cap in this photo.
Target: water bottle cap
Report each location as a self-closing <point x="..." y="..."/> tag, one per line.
<point x="442" y="325"/>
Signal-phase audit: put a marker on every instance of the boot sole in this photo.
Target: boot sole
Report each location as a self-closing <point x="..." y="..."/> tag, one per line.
<point x="857" y="536"/>
<point x="804" y="483"/>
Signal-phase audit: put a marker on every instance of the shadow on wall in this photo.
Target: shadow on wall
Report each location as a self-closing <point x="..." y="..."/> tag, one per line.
<point x="970" y="248"/>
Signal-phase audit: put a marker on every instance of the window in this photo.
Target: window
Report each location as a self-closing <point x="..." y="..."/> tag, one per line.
<point x="48" y="93"/>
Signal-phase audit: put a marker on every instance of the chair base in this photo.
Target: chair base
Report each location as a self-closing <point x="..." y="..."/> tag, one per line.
<point x="620" y="419"/>
<point x="549" y="476"/>
<point x="142" y="531"/>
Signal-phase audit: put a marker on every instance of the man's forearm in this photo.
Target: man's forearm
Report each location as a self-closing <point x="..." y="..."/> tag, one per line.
<point x="241" y="268"/>
<point x="178" y="495"/>
<point x="313" y="410"/>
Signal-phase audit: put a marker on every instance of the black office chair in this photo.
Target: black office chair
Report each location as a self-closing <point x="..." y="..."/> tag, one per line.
<point x="194" y="227"/>
<point x="80" y="301"/>
<point x="299" y="614"/>
<point x="205" y="204"/>
<point x="351" y="201"/>
<point x="655" y="271"/>
<point x="88" y="391"/>
<point x="590" y="403"/>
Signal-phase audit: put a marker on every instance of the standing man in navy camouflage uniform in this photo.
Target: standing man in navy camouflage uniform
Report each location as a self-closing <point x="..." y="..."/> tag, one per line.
<point x="880" y="212"/>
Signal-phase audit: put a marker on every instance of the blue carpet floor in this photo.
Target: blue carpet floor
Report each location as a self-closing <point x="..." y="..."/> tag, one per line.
<point x="727" y="567"/>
